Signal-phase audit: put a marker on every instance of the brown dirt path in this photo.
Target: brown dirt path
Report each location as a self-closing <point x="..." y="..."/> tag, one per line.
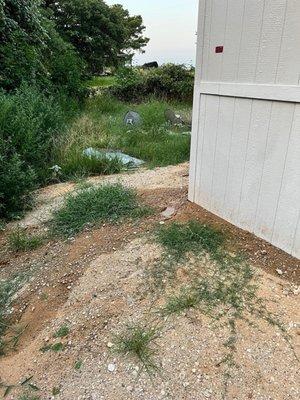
<point x="97" y="283"/>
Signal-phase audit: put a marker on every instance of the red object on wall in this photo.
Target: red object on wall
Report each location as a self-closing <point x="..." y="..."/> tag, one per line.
<point x="219" y="49"/>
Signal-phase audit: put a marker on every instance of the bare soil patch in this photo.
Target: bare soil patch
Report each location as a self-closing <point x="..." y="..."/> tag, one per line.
<point x="96" y="284"/>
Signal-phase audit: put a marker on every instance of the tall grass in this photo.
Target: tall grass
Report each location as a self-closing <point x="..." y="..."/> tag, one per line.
<point x="101" y="126"/>
<point x="101" y="81"/>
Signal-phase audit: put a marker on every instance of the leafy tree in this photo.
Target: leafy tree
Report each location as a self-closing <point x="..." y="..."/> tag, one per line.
<point x="32" y="50"/>
<point x="23" y="38"/>
<point x="101" y="34"/>
<point x="134" y="31"/>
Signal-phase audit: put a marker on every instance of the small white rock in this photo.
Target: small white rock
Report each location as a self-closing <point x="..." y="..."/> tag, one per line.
<point x="111" y="367"/>
<point x="279" y="271"/>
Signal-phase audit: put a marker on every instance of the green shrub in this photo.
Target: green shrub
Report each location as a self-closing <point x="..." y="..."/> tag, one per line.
<point x="66" y="69"/>
<point x="30" y="122"/>
<point x="94" y="204"/>
<point x="16" y="182"/>
<point x="32" y="51"/>
<point x="101" y="81"/>
<point x="170" y="81"/>
<point x="130" y="85"/>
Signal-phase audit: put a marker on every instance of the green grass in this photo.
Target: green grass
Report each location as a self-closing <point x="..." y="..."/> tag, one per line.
<point x="78" y="365"/>
<point x="101" y="126"/>
<point x="179" y="242"/>
<point x="139" y="341"/>
<point x="95" y="204"/>
<point x="180" y="239"/>
<point x="7" y="289"/>
<point x="101" y="81"/>
<point x="185" y="300"/>
<point x="29" y="397"/>
<point x="63" y="331"/>
<point x="227" y="289"/>
<point x="226" y="284"/>
<point x="56" y="347"/>
<point x="80" y="166"/>
<point x="55" y="391"/>
<point x="18" y="240"/>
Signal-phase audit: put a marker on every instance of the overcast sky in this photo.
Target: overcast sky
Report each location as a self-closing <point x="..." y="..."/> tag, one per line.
<point x="171" y="27"/>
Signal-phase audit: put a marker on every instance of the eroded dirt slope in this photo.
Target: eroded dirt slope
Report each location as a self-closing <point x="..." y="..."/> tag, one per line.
<point x="102" y="280"/>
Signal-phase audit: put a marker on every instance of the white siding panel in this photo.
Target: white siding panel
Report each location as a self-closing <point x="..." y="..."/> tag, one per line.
<point x="217" y="37"/>
<point x="206" y="33"/>
<point x="245" y="156"/>
<point x="237" y="158"/>
<point x="254" y="162"/>
<point x="270" y="40"/>
<point x="194" y="143"/>
<point x="196" y="102"/>
<point x="232" y="41"/>
<point x="199" y="160"/>
<point x="281" y="123"/>
<point x="208" y="150"/>
<point x="254" y="11"/>
<point x="222" y="151"/>
<point x="296" y="245"/>
<point x="287" y="213"/>
<point x="288" y="71"/>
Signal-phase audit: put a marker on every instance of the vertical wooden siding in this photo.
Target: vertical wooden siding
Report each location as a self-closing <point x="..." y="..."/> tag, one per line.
<point x="245" y="155"/>
<point x="261" y="40"/>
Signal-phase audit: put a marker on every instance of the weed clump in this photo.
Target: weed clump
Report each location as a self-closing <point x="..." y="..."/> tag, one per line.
<point x="180" y="239"/>
<point x="56" y="347"/>
<point x="95" y="204"/>
<point x="7" y="289"/>
<point x="138" y="341"/>
<point x="19" y="240"/>
<point x="78" y="365"/>
<point x="226" y="292"/>
<point x="63" y="331"/>
<point x="29" y="397"/>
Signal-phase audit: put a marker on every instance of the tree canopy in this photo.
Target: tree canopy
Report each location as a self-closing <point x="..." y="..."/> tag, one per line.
<point x="101" y="34"/>
<point x="54" y="42"/>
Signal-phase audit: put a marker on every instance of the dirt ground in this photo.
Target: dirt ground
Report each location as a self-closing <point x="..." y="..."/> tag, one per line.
<point x="96" y="283"/>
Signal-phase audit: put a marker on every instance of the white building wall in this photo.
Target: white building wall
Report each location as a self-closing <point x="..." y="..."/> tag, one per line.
<point x="245" y="154"/>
